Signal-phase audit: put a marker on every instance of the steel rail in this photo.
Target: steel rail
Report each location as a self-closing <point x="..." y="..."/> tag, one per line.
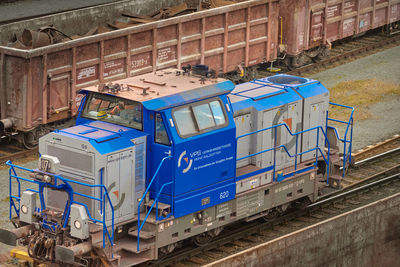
<point x="18" y="155"/>
<point x="352" y="191"/>
<point x="360" y="162"/>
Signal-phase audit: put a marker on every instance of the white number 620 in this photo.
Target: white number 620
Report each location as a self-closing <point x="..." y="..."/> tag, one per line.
<point x="223" y="195"/>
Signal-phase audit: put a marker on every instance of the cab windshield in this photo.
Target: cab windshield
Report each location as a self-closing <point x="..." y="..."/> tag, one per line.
<point x="114" y="110"/>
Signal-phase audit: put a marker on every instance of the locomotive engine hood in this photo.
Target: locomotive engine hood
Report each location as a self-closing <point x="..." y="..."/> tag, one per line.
<point x="99" y="153"/>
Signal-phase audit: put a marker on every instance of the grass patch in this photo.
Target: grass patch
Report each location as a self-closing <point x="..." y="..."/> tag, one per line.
<point x="361" y="95"/>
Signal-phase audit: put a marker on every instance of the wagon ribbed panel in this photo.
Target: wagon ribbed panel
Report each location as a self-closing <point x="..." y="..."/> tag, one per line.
<point x="239" y="34"/>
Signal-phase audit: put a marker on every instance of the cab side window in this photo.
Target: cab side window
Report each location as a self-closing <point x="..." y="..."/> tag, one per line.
<point x="200" y="117"/>
<point x="161" y="136"/>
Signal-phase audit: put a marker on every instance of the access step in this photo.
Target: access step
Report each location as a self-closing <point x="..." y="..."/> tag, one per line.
<point x="335" y="181"/>
<point x="130" y="245"/>
<point x="143" y="234"/>
<point x="163" y="209"/>
<point x="161" y="206"/>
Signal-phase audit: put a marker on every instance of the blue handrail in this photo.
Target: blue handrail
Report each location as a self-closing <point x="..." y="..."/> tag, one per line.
<point x="317" y="148"/>
<point x="65" y="186"/>
<point x="140" y="226"/>
<point x="155" y="202"/>
<point x="344" y="140"/>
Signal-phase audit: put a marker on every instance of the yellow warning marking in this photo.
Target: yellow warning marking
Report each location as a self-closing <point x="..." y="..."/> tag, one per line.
<point x="21" y="254"/>
<point x="273" y="69"/>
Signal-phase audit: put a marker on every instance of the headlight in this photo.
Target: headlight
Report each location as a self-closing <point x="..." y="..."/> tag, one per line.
<point x="77" y="224"/>
<point x="24" y="209"/>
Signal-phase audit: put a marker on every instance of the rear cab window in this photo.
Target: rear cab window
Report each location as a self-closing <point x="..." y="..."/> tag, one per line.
<point x="161" y="136"/>
<point x="200" y="117"/>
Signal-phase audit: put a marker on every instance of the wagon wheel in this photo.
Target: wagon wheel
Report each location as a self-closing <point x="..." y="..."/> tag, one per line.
<point x="324" y="53"/>
<point x="29" y="140"/>
<point x="287" y="63"/>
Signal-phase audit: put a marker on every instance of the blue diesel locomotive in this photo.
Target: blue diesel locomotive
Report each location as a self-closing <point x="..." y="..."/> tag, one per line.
<point x="173" y="155"/>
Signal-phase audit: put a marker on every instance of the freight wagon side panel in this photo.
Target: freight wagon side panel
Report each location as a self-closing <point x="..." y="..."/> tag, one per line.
<point x="309" y="23"/>
<point x="395" y="12"/>
<point x="243" y="34"/>
<point x="349" y="17"/>
<point x="58" y="94"/>
<point x="293" y="26"/>
<point x="2" y="87"/>
<point x="14" y="87"/>
<point x="21" y="90"/>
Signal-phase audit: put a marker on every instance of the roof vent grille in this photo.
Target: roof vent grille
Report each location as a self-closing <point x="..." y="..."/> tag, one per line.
<point x="286" y="80"/>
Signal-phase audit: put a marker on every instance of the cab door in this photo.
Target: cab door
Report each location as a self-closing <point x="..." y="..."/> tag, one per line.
<point x="161" y="147"/>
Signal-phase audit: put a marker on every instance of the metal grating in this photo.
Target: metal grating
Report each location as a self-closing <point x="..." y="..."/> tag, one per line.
<point x="72" y="159"/>
<point x="140" y="167"/>
<point x="57" y="199"/>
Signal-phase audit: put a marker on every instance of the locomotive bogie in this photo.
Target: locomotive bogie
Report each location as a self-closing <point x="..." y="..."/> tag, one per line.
<point x="246" y="205"/>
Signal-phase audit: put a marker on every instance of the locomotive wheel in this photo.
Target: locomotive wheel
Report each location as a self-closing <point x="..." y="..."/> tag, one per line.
<point x="162" y="252"/>
<point x="302" y="203"/>
<point x="216" y="231"/>
<point x="93" y="261"/>
<point x="202" y="239"/>
<point x="271" y="215"/>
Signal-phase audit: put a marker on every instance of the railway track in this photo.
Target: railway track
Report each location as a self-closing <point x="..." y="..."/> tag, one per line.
<point x="341" y="53"/>
<point x="384" y="160"/>
<point x="8" y="151"/>
<point x="378" y="148"/>
<point x="369" y="180"/>
<point x="349" y="51"/>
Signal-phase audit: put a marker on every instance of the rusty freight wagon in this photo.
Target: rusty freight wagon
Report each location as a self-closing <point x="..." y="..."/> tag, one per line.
<point x="310" y="26"/>
<point x="39" y="85"/>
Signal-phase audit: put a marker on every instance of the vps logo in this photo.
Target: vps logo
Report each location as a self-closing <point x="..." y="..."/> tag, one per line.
<point x="187" y="162"/>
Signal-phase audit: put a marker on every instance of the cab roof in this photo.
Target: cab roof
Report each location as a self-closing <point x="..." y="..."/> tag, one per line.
<point x="165" y="88"/>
